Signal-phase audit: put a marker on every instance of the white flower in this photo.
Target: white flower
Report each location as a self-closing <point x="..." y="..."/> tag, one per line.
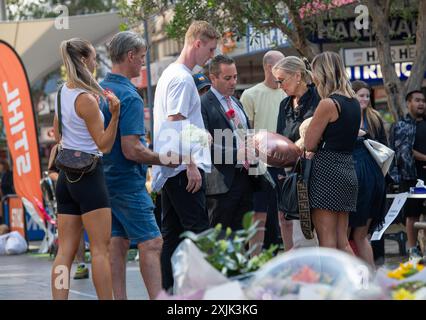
<point x="194" y="135"/>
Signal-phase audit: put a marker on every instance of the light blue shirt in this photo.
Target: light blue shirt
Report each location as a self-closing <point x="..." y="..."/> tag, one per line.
<point x="235" y="106"/>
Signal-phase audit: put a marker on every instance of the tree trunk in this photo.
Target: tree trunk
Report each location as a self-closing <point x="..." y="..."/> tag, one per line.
<point x="393" y="86"/>
<point x="298" y="35"/>
<point x="415" y="80"/>
<point x="303" y="46"/>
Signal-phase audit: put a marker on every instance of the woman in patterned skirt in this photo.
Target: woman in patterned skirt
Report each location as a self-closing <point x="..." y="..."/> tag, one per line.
<point x="332" y="133"/>
<point x="370" y="212"/>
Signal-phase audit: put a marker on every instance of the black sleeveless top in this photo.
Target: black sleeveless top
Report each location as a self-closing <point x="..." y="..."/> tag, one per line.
<point x="342" y="134"/>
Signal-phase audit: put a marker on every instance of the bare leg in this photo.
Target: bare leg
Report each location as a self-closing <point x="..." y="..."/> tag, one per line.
<point x="98" y="226"/>
<point x="412" y="233"/>
<point x="260" y="234"/>
<point x="360" y="236"/>
<point x="342" y="232"/>
<point x="325" y="223"/>
<point x="150" y="266"/>
<point x="286" y="228"/>
<point x="69" y="230"/>
<point x="81" y="252"/>
<point x="118" y="255"/>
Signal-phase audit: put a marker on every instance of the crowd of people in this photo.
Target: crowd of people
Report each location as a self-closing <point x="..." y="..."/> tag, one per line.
<point x="312" y="104"/>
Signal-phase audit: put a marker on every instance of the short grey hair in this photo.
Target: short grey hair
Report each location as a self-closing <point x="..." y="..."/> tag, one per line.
<point x="122" y="43"/>
<point x="272" y="57"/>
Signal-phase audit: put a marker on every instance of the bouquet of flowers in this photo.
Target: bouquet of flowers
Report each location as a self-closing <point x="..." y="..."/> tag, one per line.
<point x="217" y="257"/>
<point x="405" y="270"/>
<point x="313" y="274"/>
<point x="178" y="142"/>
<point x="406" y="282"/>
<point x="413" y="290"/>
<point x="226" y="250"/>
<point x="195" y="136"/>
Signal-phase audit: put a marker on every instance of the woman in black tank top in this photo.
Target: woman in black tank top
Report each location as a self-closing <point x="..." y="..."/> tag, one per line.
<point x="332" y="135"/>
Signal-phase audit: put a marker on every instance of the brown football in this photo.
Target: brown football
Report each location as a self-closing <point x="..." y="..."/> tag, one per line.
<point x="278" y="150"/>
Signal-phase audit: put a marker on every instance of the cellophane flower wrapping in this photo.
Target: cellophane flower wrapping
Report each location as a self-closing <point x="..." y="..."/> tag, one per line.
<point x="314" y="274"/>
<point x="191" y="272"/>
<point x="404" y="282"/>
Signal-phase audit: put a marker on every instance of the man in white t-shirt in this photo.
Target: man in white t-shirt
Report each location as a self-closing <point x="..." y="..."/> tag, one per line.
<point x="177" y="101"/>
<point x="261" y="104"/>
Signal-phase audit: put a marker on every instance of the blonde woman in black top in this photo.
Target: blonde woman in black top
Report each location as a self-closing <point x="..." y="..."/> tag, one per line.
<point x="331" y="135"/>
<point x="294" y="77"/>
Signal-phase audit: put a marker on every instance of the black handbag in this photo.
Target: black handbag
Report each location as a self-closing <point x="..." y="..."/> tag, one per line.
<point x="294" y="202"/>
<point x="73" y="161"/>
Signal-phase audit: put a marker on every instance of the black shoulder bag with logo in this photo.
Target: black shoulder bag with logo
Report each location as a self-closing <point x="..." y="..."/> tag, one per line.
<point x="294" y="202"/>
<point x="73" y="161"/>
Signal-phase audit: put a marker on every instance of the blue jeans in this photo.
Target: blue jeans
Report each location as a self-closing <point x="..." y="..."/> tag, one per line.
<point x="133" y="217"/>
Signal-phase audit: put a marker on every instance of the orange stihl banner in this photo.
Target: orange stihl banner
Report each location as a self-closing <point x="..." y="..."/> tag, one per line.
<point x="19" y="123"/>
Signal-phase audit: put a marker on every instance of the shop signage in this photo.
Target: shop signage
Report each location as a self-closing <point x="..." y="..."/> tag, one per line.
<point x="339" y="30"/>
<point x="363" y="63"/>
<point x="363" y="56"/>
<point x="260" y="41"/>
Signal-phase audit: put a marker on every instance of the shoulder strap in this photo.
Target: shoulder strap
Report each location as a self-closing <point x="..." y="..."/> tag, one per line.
<point x="337" y="106"/>
<point x="58" y="101"/>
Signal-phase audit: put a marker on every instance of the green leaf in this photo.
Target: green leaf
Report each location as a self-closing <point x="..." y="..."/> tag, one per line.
<point x="248" y="220"/>
<point x="123" y="27"/>
<point x="228" y="232"/>
<point x="223" y="245"/>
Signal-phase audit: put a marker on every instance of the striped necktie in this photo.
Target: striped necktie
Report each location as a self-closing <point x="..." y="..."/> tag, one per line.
<point x="238" y="125"/>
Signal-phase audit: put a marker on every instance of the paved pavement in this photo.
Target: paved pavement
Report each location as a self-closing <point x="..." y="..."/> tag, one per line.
<point x="27" y="277"/>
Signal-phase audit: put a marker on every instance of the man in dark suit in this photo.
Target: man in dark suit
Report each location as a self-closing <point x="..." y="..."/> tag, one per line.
<point x="229" y="187"/>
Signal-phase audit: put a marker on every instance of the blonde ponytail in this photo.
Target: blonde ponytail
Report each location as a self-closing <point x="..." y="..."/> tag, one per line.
<point x="77" y="73"/>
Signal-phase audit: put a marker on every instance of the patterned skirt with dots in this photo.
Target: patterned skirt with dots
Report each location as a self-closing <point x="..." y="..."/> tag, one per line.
<point x="333" y="183"/>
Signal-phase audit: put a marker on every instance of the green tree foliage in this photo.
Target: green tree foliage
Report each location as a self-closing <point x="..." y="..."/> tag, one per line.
<point x="297" y="19"/>
<point x="24" y="9"/>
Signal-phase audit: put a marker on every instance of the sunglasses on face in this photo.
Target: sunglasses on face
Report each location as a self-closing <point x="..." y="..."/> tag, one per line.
<point x="281" y="81"/>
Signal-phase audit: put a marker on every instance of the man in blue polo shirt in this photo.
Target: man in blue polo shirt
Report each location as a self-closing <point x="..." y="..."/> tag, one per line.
<point x="125" y="170"/>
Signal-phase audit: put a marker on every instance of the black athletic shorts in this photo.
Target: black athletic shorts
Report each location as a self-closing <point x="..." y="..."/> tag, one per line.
<point x="85" y="195"/>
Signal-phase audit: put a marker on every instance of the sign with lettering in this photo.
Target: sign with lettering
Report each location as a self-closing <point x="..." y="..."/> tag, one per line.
<point x="20" y="127"/>
<point x="364" y="56"/>
<point x="393" y="212"/>
<point x="373" y="73"/>
<point x="363" y="63"/>
<point x="338" y="30"/>
<point x="260" y="41"/>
